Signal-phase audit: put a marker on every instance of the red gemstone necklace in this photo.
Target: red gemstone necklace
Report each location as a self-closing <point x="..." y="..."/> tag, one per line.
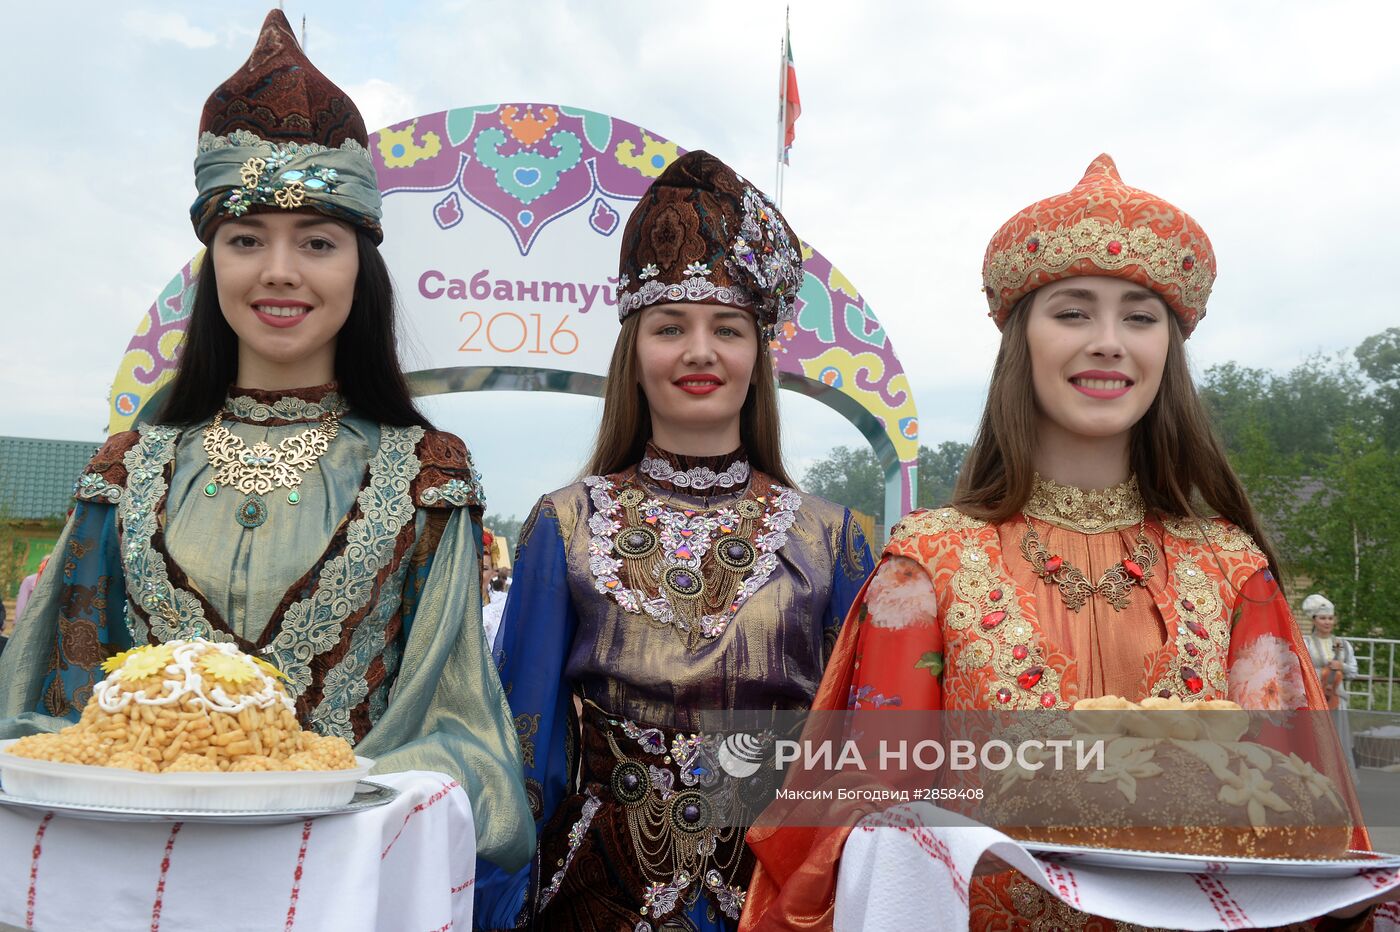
<point x="1115" y="584"/>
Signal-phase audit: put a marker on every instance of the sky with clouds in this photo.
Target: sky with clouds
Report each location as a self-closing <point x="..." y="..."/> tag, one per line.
<point x="924" y="126"/>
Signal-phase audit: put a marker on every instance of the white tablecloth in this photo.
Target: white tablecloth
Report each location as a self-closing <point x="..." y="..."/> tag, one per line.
<point x="898" y="872"/>
<point x="407" y="866"/>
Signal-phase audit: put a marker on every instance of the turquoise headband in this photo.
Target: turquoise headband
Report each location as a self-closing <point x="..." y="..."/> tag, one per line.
<point x="241" y="171"/>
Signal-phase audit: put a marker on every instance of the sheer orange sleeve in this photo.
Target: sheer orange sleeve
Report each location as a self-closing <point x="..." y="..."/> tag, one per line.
<point x="889" y="655"/>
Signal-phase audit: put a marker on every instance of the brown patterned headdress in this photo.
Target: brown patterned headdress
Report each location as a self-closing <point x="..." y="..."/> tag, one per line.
<point x="1102" y="227"/>
<point x="703" y="235"/>
<point x="278" y="134"/>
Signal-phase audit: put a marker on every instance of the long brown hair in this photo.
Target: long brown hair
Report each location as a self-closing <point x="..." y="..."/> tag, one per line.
<point x="625" y="427"/>
<point x="1180" y="463"/>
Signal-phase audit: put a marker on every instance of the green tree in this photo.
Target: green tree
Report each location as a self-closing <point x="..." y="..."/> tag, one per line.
<point x="1346" y="535"/>
<point x="1318" y="449"/>
<point x="849" y="477"/>
<point x="1379" y="358"/>
<point x="854" y="477"/>
<point x="938" y="472"/>
<point x="509" y="528"/>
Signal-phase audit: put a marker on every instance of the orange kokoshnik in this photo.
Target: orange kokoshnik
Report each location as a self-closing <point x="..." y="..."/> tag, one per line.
<point x="1101" y="227"/>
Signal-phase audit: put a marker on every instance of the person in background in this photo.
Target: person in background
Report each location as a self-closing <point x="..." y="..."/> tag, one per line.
<point x="1335" y="663"/>
<point x="26" y="588"/>
<point x="495" y="605"/>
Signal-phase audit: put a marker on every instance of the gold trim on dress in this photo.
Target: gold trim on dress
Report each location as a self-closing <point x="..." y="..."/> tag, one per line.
<point x="934" y="521"/>
<point x="1209" y="531"/>
<point x="1089" y="511"/>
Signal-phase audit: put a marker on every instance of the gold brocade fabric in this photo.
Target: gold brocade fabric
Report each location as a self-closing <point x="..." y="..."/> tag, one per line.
<point x="770" y="657"/>
<point x="1110" y="645"/>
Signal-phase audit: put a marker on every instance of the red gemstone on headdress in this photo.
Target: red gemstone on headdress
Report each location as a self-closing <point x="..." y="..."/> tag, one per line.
<point x="1188" y="605"/>
<point x="1028" y="678"/>
<point x="1164" y="694"/>
<point x="994" y="595"/>
<point x="688" y="513"/>
<point x="1019" y="652"/>
<point x="684" y="553"/>
<point x="1033" y="244"/>
<point x="1192" y="679"/>
<point x="1003" y="695"/>
<point x="1114" y="248"/>
<point x="687" y="532"/>
<point x="1196" y="628"/>
<point x="1132" y="569"/>
<point x="650" y="519"/>
<point x="1188" y="263"/>
<point x="1048" y="700"/>
<point x="992" y="619"/>
<point x="1192" y="649"/>
<point x="1053" y="564"/>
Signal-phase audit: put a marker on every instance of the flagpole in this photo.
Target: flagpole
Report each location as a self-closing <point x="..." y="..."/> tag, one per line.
<point x="782" y="107"/>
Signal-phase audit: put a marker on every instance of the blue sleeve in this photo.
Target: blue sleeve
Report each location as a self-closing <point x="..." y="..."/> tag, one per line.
<point x="854" y="565"/>
<point x="75" y="619"/>
<point x="532" y="646"/>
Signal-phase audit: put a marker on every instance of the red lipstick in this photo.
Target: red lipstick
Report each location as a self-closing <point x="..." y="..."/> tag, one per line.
<point x="702" y="383"/>
<point x="280" y="321"/>
<point x="1100" y="383"/>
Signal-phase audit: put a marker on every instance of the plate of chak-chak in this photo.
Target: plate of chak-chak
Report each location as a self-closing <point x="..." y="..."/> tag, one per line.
<point x="193" y="731"/>
<point x="1183" y="787"/>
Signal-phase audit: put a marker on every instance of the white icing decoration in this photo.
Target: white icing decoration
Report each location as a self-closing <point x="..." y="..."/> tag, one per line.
<point x="183" y="679"/>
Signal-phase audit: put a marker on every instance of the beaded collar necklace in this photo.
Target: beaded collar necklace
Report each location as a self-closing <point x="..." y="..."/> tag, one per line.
<point x="688" y="568"/>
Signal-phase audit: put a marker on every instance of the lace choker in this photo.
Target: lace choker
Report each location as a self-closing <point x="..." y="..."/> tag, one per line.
<point x="292" y="406"/>
<point x="695" y="473"/>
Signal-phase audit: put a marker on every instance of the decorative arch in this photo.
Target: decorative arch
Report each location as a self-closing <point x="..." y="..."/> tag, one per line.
<point x="500" y="218"/>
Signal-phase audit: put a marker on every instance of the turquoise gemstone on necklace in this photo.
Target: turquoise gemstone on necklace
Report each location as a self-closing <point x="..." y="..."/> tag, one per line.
<point x="293" y="498"/>
<point x="252" y="512"/>
<point x="211" y="489"/>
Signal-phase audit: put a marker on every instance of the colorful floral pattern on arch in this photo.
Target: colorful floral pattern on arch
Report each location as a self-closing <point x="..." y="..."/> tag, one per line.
<point x="538" y="167"/>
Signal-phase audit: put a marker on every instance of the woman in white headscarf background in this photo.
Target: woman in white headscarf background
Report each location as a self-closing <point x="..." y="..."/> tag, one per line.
<point x="1335" y="662"/>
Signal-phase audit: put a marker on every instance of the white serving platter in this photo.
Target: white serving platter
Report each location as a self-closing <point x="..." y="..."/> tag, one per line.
<point x="368" y="795"/>
<point x="115" y="787"/>
<point x="1355" y="862"/>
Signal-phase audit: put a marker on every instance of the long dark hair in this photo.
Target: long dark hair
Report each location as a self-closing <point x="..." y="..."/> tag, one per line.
<point x="1179" y="461"/>
<point x="366" y="351"/>
<point x="626" y="425"/>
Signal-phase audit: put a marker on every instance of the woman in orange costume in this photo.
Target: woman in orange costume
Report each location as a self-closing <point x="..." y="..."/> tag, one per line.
<point x="1079" y="557"/>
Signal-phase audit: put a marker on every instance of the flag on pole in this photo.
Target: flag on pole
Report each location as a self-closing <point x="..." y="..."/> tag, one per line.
<point x="792" y="104"/>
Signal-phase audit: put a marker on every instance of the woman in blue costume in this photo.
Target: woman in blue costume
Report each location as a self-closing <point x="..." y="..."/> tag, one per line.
<point x="685" y="574"/>
<point x="328" y="529"/>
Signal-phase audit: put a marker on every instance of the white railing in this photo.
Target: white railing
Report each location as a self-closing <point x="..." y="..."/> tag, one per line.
<point x="1377" y="684"/>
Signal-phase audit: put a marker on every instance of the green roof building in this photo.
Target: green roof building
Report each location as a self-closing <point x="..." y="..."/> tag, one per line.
<point x="37" y="476"/>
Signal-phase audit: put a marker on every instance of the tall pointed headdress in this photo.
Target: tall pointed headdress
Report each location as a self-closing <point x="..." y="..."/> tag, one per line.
<point x="279" y="135"/>
<point x="1101" y="227"/>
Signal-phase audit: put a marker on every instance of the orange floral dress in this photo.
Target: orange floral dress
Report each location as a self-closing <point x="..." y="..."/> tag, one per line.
<point x="958" y="617"/>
